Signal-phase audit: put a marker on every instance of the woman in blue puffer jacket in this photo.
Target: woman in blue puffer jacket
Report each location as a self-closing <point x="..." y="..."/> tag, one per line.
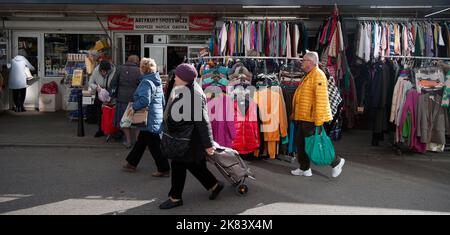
<point x="149" y="94"/>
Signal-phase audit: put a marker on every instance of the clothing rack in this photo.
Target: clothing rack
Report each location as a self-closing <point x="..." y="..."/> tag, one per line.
<point x="396" y="19"/>
<point x="418" y="57"/>
<point x="265" y="18"/>
<point x="247" y="57"/>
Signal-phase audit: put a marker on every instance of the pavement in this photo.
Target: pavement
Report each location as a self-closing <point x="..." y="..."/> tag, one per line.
<point x="46" y="169"/>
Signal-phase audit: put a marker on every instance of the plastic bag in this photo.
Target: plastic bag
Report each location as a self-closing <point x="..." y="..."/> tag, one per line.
<point x="127" y="117"/>
<point x="50" y="88"/>
<point x="103" y="96"/>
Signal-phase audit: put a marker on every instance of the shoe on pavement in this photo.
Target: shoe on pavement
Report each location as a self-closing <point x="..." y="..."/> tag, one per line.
<point x="129" y="168"/>
<point x="161" y="174"/>
<point x="336" y="171"/>
<point x="126" y="144"/>
<point x="216" y="191"/>
<point x="169" y="204"/>
<point x="99" y="134"/>
<point x="298" y="172"/>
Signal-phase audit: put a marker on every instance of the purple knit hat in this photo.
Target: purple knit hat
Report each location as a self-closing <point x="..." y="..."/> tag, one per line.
<point x="186" y="72"/>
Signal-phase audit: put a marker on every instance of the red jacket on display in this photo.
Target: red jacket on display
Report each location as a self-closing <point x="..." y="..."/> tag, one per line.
<point x="247" y="129"/>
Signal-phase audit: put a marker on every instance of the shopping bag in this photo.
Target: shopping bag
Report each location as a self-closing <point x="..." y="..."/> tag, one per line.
<point x="320" y="148"/>
<point x="108" y="114"/>
<point x="127" y="117"/>
<point x="28" y="74"/>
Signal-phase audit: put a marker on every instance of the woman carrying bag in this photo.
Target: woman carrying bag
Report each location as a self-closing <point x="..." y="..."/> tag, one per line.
<point x="187" y="136"/>
<point x="149" y="95"/>
<point x="20" y="73"/>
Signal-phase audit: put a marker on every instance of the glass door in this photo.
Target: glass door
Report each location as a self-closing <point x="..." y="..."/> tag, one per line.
<point x="29" y="45"/>
<point x="158" y="53"/>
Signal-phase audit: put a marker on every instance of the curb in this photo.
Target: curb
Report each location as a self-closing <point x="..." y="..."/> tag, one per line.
<point x="76" y="146"/>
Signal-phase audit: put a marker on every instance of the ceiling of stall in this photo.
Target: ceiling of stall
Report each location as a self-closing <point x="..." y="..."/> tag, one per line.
<point x="86" y="11"/>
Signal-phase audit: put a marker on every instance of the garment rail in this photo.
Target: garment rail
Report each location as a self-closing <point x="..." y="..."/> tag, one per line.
<point x="395" y="19"/>
<point x="246" y="57"/>
<point x="417" y="57"/>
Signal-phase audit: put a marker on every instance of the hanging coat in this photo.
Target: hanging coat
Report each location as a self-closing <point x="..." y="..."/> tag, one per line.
<point x="247" y="138"/>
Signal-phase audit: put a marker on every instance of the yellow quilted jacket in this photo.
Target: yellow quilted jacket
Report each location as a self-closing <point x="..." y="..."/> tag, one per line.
<point x="311" y="102"/>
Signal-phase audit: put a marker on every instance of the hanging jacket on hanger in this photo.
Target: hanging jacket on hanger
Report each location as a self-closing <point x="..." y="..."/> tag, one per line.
<point x="222" y="121"/>
<point x="247" y="138"/>
<point x="273" y="115"/>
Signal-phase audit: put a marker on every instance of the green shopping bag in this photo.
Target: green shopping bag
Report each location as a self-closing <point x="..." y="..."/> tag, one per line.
<point x="320" y="148"/>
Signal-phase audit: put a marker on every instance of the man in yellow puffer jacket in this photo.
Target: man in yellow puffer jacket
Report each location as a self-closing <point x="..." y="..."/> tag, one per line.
<point x="311" y="108"/>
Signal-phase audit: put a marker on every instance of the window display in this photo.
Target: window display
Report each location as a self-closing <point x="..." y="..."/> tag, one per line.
<point x="58" y="46"/>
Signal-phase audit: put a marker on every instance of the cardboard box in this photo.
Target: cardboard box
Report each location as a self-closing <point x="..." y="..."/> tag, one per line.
<point x="88" y="100"/>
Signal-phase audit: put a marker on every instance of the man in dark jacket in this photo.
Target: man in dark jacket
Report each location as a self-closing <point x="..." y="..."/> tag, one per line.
<point x="186" y="116"/>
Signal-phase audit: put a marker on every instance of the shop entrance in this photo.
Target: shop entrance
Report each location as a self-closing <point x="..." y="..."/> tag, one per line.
<point x="167" y="57"/>
<point x="29" y="45"/>
<point x="168" y="50"/>
<point x="176" y="55"/>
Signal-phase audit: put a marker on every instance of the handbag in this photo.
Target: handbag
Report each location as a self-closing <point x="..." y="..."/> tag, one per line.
<point x="175" y="145"/>
<point x="175" y="148"/>
<point x="140" y="118"/>
<point x="320" y="148"/>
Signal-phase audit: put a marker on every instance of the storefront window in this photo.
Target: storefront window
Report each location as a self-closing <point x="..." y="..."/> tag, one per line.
<point x="57" y="46"/>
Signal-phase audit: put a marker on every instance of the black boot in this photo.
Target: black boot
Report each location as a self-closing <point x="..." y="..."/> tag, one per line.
<point x="99" y="134"/>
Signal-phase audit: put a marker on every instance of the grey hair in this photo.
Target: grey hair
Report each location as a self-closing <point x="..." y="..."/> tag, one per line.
<point x="313" y="56"/>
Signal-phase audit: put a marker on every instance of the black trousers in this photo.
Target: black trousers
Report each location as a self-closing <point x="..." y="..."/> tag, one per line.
<point x="303" y="130"/>
<point x="19" y="97"/>
<point x="198" y="169"/>
<point x="152" y="141"/>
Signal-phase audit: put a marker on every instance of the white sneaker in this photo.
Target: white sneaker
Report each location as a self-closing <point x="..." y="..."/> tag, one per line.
<point x="336" y="171"/>
<point x="298" y="172"/>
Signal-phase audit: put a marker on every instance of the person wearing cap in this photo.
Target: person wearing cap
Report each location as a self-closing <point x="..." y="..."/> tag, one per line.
<point x="188" y="95"/>
<point x="149" y="95"/>
<point x="101" y="79"/>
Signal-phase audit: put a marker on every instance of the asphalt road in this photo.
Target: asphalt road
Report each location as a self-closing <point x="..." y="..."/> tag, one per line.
<point x="43" y="180"/>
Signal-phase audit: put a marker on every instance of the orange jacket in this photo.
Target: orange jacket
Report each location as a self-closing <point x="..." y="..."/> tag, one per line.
<point x="310" y="101"/>
<point x="272" y="111"/>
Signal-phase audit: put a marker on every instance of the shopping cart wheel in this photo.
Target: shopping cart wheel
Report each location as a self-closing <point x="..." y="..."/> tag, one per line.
<point x="242" y="190"/>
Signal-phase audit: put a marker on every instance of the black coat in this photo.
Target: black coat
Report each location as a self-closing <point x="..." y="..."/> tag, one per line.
<point x="197" y="127"/>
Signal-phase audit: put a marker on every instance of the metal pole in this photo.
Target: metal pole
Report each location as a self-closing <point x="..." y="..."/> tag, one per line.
<point x="418" y="57"/>
<point x="246" y="57"/>
<point x="80" y="115"/>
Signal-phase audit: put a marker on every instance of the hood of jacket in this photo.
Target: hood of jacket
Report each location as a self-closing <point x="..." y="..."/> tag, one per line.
<point x="154" y="77"/>
<point x="19" y="58"/>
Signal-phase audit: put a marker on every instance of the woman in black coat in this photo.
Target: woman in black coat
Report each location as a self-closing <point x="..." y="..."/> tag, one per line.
<point x="197" y="128"/>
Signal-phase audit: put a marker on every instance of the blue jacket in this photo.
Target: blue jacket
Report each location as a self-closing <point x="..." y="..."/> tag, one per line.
<point x="150" y="94"/>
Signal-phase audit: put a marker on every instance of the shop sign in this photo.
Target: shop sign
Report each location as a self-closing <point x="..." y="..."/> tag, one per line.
<point x="120" y="22"/>
<point x="201" y="23"/>
<point x="171" y="23"/>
